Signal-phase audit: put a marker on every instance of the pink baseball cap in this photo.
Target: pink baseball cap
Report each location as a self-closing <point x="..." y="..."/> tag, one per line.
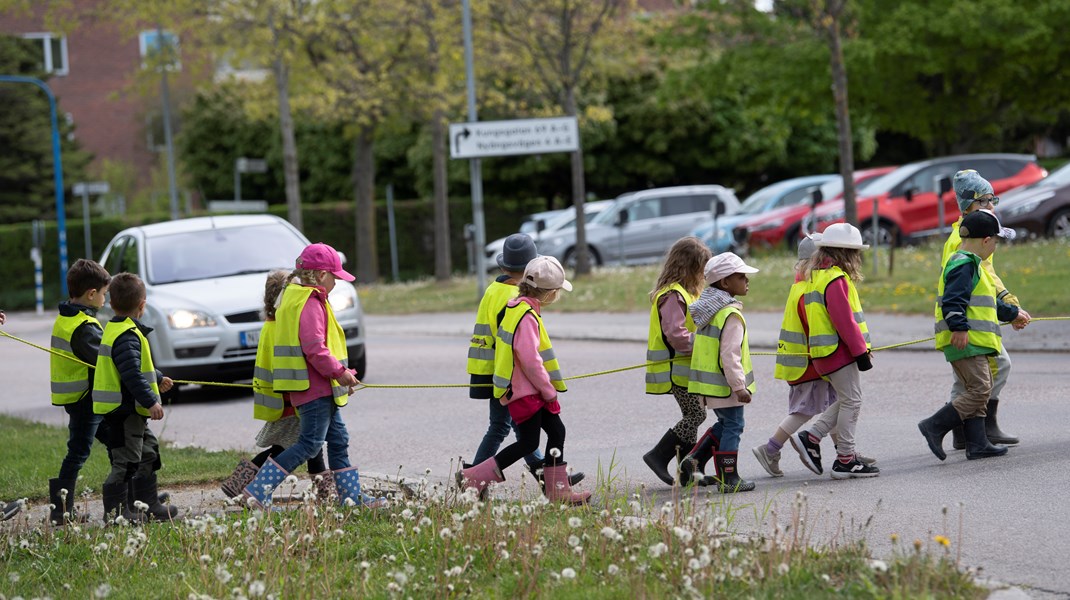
<point x="321" y="257"/>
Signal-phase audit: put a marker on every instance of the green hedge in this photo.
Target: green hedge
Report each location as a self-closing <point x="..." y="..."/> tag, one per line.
<point x="329" y="223"/>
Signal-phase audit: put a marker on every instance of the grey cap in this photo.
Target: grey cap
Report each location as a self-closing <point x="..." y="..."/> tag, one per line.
<point x="517" y="251"/>
<point x="807" y="245"/>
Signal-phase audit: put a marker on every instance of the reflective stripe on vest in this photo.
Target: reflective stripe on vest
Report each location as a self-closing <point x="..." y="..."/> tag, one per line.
<point x="707" y="375"/>
<point x="980" y="311"/>
<point x="481" y="348"/>
<point x="267" y="403"/>
<point x="503" y="350"/>
<point x="107" y="384"/>
<point x="70" y="377"/>
<point x="823" y="337"/>
<point x="793" y="342"/>
<point x="288" y="366"/>
<point x="660" y="377"/>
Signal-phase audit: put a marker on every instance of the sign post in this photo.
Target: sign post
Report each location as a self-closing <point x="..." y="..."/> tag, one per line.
<point x="85" y="189"/>
<point x="246" y="165"/>
<point x="510" y="138"/>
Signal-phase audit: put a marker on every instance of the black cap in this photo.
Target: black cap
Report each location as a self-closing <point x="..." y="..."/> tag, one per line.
<point x="984" y="223"/>
<point x="517" y="252"/>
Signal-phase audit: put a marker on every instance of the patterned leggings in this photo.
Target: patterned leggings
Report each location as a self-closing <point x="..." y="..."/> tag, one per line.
<point x="693" y="411"/>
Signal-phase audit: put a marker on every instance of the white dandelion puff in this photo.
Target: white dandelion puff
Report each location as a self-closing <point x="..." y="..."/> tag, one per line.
<point x="568" y="573"/>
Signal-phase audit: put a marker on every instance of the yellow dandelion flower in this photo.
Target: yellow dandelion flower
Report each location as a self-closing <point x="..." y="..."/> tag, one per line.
<point x="895" y="538"/>
<point x="942" y="540"/>
<point x="917" y="545"/>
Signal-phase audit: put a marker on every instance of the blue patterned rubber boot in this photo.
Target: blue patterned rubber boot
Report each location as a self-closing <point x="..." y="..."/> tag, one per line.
<point x="348" y="482"/>
<point x="258" y="493"/>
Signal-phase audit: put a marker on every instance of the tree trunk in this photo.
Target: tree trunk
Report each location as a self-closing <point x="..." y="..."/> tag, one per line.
<point x="579" y="192"/>
<point x="443" y="266"/>
<point x="843" y="116"/>
<point x="289" y="146"/>
<point x="364" y="192"/>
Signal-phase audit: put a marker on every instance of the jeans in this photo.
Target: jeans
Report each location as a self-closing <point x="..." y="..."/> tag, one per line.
<point x="497" y="430"/>
<point x="729" y="428"/>
<point x="320" y="422"/>
<point x="84" y="426"/>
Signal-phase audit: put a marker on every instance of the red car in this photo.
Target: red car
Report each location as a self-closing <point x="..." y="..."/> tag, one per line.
<point x="784" y="225"/>
<point x="908" y="198"/>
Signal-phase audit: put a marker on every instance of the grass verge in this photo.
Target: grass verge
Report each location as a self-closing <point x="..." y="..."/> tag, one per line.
<point x="1035" y="271"/>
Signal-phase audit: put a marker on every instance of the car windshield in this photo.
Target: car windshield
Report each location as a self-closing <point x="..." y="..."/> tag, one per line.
<point x="757" y="201"/>
<point x="885" y="183"/>
<point x="214" y="253"/>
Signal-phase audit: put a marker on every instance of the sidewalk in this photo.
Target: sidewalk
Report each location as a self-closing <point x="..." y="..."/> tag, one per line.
<point x="764" y="329"/>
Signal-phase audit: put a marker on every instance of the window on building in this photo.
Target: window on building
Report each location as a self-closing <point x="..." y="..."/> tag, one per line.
<point x="51" y="50"/>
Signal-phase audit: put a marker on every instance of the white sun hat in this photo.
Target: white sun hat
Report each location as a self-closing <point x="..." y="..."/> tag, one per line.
<point x="841" y="235"/>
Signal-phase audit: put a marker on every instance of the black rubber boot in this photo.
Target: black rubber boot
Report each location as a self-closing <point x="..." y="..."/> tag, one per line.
<point x="537" y="472"/>
<point x="143" y="489"/>
<point x="730" y="481"/>
<point x="936" y="427"/>
<point x="695" y="461"/>
<point x="117" y="503"/>
<point x="995" y="434"/>
<point x="958" y="438"/>
<point x="63" y="503"/>
<point x="977" y="444"/>
<point x="659" y="458"/>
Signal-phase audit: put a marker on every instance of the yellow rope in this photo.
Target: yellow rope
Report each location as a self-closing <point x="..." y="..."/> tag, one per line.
<point x="361" y="386"/>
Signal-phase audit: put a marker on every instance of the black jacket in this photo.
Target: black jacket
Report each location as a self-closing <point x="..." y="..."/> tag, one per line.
<point x="126" y="354"/>
<point x="85" y="341"/>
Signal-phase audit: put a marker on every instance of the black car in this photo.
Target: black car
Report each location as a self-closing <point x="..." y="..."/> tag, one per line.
<point x="1041" y="208"/>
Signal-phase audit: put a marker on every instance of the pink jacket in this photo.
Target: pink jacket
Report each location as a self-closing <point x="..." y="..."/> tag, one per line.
<point x="852" y="344"/>
<point x="322" y="365"/>
<point x="673" y="311"/>
<point x="531" y="383"/>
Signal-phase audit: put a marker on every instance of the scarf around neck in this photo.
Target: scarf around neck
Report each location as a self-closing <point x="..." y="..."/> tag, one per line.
<point x="708" y="304"/>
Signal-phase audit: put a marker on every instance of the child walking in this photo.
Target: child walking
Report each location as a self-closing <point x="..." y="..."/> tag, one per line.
<point x="126" y="390"/>
<point x="527" y="380"/>
<point x="517" y="251"/>
<point x="809" y="393"/>
<point x="838" y="338"/>
<point x="670" y="336"/>
<point x="968" y="312"/>
<point x="309" y="369"/>
<point x="76" y="337"/>
<point x="721" y="372"/>
<point x="282" y="428"/>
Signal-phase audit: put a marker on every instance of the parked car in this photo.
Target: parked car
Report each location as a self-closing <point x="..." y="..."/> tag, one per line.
<point x="204" y="279"/>
<point x="1041" y="208"/>
<point x="555" y="220"/>
<point x="908" y="198"/>
<point x="784" y="225"/>
<point x="788" y="193"/>
<point x="640" y="226"/>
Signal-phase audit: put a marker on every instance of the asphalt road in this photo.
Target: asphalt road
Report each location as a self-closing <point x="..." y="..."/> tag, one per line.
<point x="1013" y="511"/>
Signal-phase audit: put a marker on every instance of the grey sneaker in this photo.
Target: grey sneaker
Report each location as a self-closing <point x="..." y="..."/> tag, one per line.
<point x="866" y="460"/>
<point x="769" y="462"/>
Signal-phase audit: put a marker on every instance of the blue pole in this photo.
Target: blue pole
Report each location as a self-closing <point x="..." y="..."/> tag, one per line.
<point x="57" y="168"/>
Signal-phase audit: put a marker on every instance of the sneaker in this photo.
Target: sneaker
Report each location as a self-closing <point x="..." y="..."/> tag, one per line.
<point x="10" y="510"/>
<point x="809" y="451"/>
<point x="866" y="460"/>
<point x="769" y="462"/>
<point x="854" y="468"/>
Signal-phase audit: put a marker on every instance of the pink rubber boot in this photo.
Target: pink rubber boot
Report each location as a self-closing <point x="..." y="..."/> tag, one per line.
<point x="478" y="477"/>
<point x="558" y="489"/>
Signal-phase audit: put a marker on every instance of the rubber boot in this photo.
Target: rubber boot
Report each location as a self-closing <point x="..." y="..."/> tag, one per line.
<point x="992" y="430"/>
<point x="695" y="461"/>
<point x="478" y="477"/>
<point x="537" y="472"/>
<point x="977" y="444"/>
<point x="10" y="510"/>
<point x="659" y="458"/>
<point x="729" y="481"/>
<point x="936" y="427"/>
<point x="143" y="489"/>
<point x="117" y="503"/>
<point x="258" y="493"/>
<point x="558" y="488"/>
<point x="61" y="497"/>
<point x="347" y="481"/>
<point x="958" y="438"/>
<point x="242" y="475"/>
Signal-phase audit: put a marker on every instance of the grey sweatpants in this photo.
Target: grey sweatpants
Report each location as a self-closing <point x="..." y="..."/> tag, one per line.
<point x="842" y="415"/>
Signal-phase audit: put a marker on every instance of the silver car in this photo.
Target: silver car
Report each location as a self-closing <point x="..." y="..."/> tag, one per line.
<point x="558" y="220"/>
<point x="640" y="226"/>
<point x="205" y="282"/>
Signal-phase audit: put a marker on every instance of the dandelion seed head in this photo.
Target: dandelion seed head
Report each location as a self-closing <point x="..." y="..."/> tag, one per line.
<point x="568" y="573"/>
<point x="575" y="522"/>
<point x="555" y="452"/>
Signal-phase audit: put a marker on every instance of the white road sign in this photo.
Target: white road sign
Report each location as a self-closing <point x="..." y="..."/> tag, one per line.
<point x="520" y="136"/>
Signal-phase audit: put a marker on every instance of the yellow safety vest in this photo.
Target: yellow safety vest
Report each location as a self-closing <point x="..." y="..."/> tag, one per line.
<point x="792" y="346"/>
<point x="954" y="241"/>
<point x="288" y="366"/>
<point x="980" y="313"/>
<point x="503" y="350"/>
<point x="661" y="376"/>
<point x="70" y="376"/>
<point x="707" y="374"/>
<point x="107" y="385"/>
<point x="268" y="404"/>
<point x="823" y="337"/>
<point x="481" y="350"/>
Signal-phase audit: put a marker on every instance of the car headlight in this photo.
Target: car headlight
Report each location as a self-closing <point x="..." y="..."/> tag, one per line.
<point x="341" y="298"/>
<point x="188" y="319"/>
<point x="769" y="225"/>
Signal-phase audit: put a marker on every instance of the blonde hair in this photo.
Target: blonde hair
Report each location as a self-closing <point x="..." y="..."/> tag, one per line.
<point x="544" y="296"/>
<point x="276" y="282"/>
<point x="684" y="264"/>
<point x="305" y="276"/>
<point x="848" y="259"/>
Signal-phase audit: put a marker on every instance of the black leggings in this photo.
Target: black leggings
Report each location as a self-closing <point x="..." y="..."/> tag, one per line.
<point x="315" y="464"/>
<point x="527" y="439"/>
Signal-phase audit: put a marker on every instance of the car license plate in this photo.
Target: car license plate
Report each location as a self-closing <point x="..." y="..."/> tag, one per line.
<point x="250" y="339"/>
